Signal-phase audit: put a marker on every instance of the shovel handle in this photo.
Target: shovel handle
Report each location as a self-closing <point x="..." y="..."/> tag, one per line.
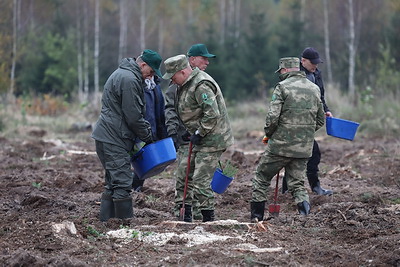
<point x="276" y="188"/>
<point x="182" y="211"/>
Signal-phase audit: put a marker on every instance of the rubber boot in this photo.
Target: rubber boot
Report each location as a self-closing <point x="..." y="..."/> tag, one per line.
<point x="303" y="208"/>
<point x="123" y="208"/>
<point x="316" y="188"/>
<point x="196" y="212"/>
<point x="257" y="211"/>
<point x="284" y="185"/>
<point x="208" y="215"/>
<point x="106" y="207"/>
<point x="187" y="217"/>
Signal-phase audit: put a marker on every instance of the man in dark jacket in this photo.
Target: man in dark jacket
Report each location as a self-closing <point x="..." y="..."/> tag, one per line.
<point x="309" y="64"/>
<point x="120" y="123"/>
<point x="154" y="115"/>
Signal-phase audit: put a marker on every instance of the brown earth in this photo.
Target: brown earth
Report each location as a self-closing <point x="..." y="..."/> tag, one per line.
<point x="49" y="204"/>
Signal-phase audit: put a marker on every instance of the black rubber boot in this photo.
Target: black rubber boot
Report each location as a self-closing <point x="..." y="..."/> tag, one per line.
<point x="188" y="214"/>
<point x="123" y="208"/>
<point x="284" y="185"/>
<point x="208" y="215"/>
<point x="257" y="211"/>
<point x="316" y="188"/>
<point x="106" y="207"/>
<point x="303" y="208"/>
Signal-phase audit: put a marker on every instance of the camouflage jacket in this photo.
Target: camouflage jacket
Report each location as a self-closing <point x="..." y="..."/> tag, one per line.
<point x="295" y="113"/>
<point x="121" y="119"/>
<point x="172" y="120"/>
<point x="201" y="107"/>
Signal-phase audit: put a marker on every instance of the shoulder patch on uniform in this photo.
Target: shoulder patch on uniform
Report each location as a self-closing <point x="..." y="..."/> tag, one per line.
<point x="205" y="97"/>
<point x="273" y="97"/>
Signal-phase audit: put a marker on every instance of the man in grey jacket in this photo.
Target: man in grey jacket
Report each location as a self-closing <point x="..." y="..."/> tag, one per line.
<point x="121" y="121"/>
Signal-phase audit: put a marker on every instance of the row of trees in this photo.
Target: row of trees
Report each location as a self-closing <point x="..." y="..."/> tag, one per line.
<point x="71" y="47"/>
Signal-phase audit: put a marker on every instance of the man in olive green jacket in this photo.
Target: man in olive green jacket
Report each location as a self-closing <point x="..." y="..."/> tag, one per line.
<point x="121" y="121"/>
<point x="295" y="113"/>
<point x="201" y="107"/>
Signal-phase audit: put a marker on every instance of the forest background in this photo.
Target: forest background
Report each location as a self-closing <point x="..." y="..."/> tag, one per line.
<point x="56" y="55"/>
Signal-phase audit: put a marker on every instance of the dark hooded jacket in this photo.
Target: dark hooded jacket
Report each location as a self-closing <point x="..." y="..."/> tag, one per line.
<point x="155" y="110"/>
<point x="318" y="81"/>
<point x="122" y="120"/>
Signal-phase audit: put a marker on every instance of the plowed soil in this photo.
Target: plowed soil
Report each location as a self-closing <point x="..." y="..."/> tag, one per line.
<point x="49" y="205"/>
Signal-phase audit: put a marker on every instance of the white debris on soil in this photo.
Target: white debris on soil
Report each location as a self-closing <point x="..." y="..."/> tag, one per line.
<point x="64" y="227"/>
<point x="254" y="248"/>
<point x="197" y="236"/>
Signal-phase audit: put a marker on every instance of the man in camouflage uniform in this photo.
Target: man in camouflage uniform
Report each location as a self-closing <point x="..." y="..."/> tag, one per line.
<point x="121" y="121"/>
<point x="295" y="113"/>
<point x="198" y="57"/>
<point x="201" y="108"/>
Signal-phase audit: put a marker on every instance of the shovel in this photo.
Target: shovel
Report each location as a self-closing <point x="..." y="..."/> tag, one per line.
<point x="275" y="208"/>
<point x="182" y="211"/>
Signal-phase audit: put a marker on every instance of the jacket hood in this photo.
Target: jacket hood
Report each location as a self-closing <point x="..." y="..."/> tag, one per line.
<point x="131" y="65"/>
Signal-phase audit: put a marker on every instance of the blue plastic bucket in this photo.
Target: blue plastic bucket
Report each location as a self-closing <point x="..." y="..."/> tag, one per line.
<point x="220" y="181"/>
<point x="341" y="128"/>
<point x="153" y="158"/>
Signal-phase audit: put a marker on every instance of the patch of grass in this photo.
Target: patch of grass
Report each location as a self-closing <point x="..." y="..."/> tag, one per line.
<point x="247" y="116"/>
<point x="395" y="201"/>
<point x="369" y="197"/>
<point x="366" y="197"/>
<point x="378" y="116"/>
<point x="152" y="199"/>
<point x="2" y="124"/>
<point x="37" y="185"/>
<point x="93" y="232"/>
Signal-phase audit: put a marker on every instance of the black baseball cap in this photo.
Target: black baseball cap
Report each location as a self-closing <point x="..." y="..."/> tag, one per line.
<point x="311" y="54"/>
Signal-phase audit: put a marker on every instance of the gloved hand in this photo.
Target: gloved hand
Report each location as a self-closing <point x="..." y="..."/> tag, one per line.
<point x="265" y="140"/>
<point x="195" y="139"/>
<point x="175" y="140"/>
<point x="186" y="137"/>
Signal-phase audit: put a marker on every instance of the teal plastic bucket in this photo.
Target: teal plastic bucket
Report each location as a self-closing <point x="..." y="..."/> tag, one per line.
<point x="341" y="128"/>
<point x="220" y="182"/>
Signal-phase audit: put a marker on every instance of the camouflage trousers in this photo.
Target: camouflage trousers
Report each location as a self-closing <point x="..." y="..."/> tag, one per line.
<point x="269" y="165"/>
<point x="180" y="175"/>
<point x="199" y="193"/>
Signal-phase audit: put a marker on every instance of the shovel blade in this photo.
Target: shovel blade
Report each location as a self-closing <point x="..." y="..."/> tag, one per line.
<point x="274" y="209"/>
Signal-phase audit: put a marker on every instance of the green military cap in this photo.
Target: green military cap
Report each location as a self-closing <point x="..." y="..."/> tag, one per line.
<point x="174" y="64"/>
<point x="199" y="50"/>
<point x="288" y="63"/>
<point x="153" y="59"/>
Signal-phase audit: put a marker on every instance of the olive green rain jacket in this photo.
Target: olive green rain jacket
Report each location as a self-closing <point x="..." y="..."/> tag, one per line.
<point x="121" y="120"/>
<point x="295" y="113"/>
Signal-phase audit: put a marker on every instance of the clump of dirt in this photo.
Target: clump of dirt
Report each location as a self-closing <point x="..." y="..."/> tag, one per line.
<point x="50" y="193"/>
